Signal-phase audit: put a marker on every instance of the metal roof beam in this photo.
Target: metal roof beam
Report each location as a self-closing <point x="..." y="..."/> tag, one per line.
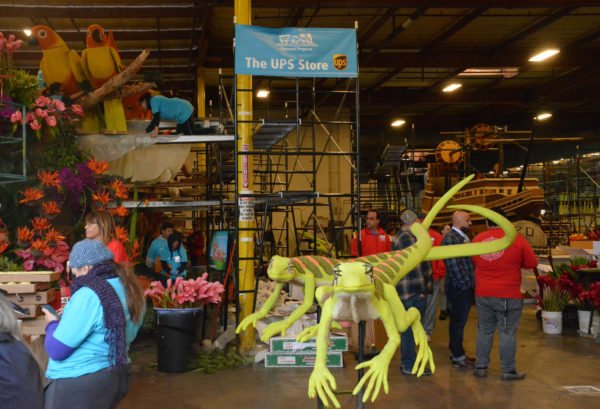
<point x="454" y="28"/>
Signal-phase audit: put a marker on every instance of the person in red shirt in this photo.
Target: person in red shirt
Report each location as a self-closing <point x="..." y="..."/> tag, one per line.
<point x="373" y="239"/>
<point x="499" y="300"/>
<point x="439" y="271"/>
<point x="101" y="226"/>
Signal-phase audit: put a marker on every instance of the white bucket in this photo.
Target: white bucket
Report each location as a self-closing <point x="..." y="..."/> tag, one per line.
<point x="584" y="323"/>
<point x="552" y="322"/>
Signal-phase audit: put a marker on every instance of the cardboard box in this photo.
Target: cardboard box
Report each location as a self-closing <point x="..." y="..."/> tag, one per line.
<point x="297" y="360"/>
<point x="280" y="344"/>
<point x="36" y="326"/>
<point x="582" y="244"/>
<point x="34" y="311"/>
<point x="24" y="288"/>
<point x="41" y="297"/>
<point x="29" y="276"/>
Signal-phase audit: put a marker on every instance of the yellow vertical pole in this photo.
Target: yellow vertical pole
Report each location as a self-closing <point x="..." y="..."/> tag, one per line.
<point x="201" y="91"/>
<point x="245" y="185"/>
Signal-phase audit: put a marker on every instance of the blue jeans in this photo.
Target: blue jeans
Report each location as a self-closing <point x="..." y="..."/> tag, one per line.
<point x="407" y="341"/>
<point x="461" y="301"/>
<point x="504" y="314"/>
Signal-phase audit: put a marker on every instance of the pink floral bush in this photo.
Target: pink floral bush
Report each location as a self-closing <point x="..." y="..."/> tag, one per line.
<point x="185" y="293"/>
<point x="47" y="110"/>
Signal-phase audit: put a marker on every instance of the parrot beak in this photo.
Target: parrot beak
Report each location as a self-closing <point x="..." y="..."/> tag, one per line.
<point x="97" y="36"/>
<point x="33" y="41"/>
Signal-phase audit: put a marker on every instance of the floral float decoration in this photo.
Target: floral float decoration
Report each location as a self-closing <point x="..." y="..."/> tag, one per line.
<point x="192" y="293"/>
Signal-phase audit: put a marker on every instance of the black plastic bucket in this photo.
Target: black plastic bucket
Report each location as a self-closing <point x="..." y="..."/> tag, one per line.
<point x="175" y="330"/>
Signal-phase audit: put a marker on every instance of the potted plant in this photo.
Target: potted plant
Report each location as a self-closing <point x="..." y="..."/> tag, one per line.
<point x="178" y="307"/>
<point x="588" y="306"/>
<point x="555" y="295"/>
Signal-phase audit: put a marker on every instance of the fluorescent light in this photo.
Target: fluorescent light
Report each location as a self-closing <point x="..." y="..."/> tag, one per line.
<point x="27" y="32"/>
<point x="452" y="87"/>
<point x="544" y="54"/>
<point x="262" y="93"/>
<point x="398" y="122"/>
<point x="543" y="115"/>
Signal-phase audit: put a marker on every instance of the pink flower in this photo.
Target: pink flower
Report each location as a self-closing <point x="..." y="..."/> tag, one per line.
<point x="35" y="124"/>
<point x="30" y="116"/>
<point x="77" y="109"/>
<point x="51" y="120"/>
<point x="17" y="116"/>
<point x="60" y="106"/>
<point x="42" y="113"/>
<point x="42" y="101"/>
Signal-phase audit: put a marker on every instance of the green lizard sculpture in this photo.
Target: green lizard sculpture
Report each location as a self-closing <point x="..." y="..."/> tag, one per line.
<point x="314" y="271"/>
<point x="358" y="295"/>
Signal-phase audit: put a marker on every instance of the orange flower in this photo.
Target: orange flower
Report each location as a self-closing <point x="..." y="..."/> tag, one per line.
<point x="39" y="245"/>
<point x="40" y="224"/>
<point x="122" y="234"/>
<point x="51" y="207"/>
<point x="120" y="190"/>
<point x="31" y="195"/>
<point x="119" y="211"/>
<point x="97" y="167"/>
<point x="24" y="234"/>
<point x="103" y="197"/>
<point x="135" y="251"/>
<point x="3" y="246"/>
<point x="54" y="235"/>
<point x="49" y="179"/>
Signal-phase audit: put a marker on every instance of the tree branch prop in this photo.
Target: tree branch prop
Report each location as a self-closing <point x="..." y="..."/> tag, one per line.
<point x="112" y="86"/>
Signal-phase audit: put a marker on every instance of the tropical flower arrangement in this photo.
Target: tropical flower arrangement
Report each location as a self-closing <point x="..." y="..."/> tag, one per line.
<point x="555" y="293"/>
<point x="46" y="110"/>
<point x="185" y="293"/>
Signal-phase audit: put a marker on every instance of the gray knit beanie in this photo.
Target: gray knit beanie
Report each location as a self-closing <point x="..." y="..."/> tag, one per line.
<point x="88" y="253"/>
<point x="408" y="217"/>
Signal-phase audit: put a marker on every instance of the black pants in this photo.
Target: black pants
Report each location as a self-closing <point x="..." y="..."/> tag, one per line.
<point x="188" y="127"/>
<point x="99" y="390"/>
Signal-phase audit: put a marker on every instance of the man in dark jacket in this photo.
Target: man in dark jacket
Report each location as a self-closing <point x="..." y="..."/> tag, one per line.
<point x="460" y="280"/>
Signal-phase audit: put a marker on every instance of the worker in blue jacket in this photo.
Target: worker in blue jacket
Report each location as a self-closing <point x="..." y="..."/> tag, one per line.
<point x="174" y="109"/>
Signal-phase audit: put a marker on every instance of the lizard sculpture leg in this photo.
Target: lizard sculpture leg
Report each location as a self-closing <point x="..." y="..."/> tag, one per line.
<point x="251" y="319"/>
<point x="377" y="371"/>
<point x="322" y="382"/>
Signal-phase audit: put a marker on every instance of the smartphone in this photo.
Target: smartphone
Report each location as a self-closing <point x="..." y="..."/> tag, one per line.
<point x="49" y="309"/>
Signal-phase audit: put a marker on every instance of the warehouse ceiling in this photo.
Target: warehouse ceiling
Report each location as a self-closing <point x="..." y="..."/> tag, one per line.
<point x="409" y="51"/>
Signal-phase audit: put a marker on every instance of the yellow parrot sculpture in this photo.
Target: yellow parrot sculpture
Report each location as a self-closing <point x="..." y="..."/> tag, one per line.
<point x="62" y="65"/>
<point x="101" y="62"/>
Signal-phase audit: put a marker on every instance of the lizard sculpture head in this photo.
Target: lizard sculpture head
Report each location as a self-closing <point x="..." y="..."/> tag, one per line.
<point x="353" y="278"/>
<point x="281" y="269"/>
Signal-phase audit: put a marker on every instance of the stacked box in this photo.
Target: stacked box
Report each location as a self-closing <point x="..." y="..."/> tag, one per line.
<point x="30" y="290"/>
<point x="287" y="353"/>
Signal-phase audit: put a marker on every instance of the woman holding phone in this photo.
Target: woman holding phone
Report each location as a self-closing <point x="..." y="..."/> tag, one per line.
<point x="88" y="366"/>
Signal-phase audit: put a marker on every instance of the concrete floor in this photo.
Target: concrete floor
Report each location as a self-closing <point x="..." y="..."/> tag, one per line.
<point x="550" y="361"/>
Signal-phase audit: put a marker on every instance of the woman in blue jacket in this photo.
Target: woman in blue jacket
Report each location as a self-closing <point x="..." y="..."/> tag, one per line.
<point x="88" y="366"/>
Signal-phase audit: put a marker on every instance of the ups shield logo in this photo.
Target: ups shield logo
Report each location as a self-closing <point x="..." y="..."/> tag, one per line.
<point x="340" y="62"/>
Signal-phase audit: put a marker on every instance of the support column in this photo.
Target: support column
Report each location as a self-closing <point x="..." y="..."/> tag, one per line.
<point x="246" y="185"/>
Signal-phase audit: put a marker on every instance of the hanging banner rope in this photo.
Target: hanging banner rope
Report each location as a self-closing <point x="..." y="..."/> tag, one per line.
<point x="295" y="52"/>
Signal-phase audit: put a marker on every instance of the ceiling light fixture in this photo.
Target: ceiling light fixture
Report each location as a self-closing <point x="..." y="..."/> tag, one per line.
<point x="398" y="122"/>
<point x="27" y="32"/>
<point x="544" y="55"/>
<point x="543" y="115"/>
<point x="452" y="87"/>
<point x="262" y="93"/>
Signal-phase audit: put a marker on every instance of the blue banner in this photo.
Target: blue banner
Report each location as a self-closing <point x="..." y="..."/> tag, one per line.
<point x="295" y="52"/>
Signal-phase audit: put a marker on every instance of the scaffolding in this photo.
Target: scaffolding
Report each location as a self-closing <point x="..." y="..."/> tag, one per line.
<point x="295" y="147"/>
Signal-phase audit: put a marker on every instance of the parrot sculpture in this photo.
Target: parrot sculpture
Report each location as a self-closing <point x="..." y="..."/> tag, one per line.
<point x="62" y="65"/>
<point x="101" y="62"/>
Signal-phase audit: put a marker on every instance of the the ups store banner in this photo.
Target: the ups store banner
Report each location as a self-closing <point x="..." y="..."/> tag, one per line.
<point x="295" y="52"/>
